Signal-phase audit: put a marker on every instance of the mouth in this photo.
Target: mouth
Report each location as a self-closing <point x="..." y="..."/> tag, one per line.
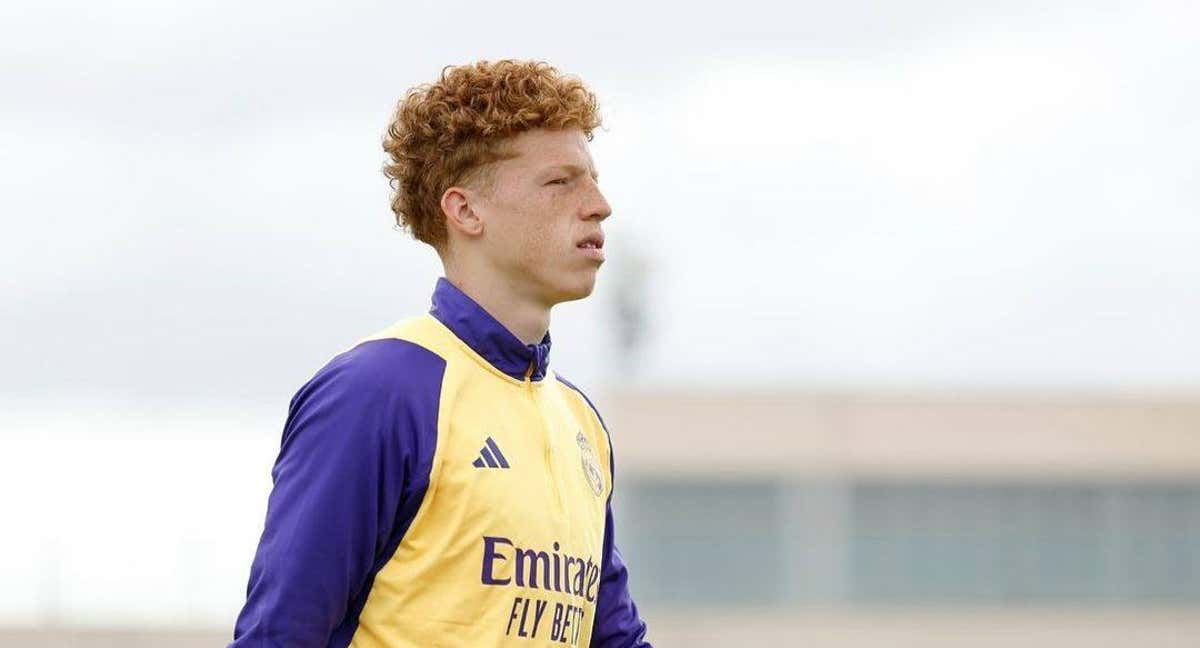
<point x="593" y="241"/>
<point x="593" y="246"/>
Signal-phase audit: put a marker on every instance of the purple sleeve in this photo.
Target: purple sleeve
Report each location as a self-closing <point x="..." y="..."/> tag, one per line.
<point x="351" y="472"/>
<point x="617" y="622"/>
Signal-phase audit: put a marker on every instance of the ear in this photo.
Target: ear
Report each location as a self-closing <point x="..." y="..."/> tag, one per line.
<point x="458" y="207"/>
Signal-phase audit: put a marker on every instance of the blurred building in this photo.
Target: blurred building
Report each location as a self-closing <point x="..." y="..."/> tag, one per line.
<point x="921" y="519"/>
<point x="890" y="520"/>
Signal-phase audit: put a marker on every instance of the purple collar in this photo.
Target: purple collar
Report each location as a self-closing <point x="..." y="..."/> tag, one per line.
<point x="486" y="336"/>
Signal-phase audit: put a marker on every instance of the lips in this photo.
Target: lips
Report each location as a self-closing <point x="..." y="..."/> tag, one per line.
<point x="592" y="247"/>
<point x="593" y="242"/>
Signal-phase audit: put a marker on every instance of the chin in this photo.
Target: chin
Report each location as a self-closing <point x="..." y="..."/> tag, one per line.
<point x="574" y="291"/>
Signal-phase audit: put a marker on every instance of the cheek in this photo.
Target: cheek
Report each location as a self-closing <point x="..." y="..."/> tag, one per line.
<point x="542" y="235"/>
<point x="522" y="243"/>
<point x="538" y="242"/>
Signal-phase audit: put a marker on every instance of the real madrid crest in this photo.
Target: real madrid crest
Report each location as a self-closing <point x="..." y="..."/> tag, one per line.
<point x="591" y="467"/>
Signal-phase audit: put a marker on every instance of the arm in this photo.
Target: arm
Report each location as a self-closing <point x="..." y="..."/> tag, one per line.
<point x="347" y="482"/>
<point x="617" y="622"/>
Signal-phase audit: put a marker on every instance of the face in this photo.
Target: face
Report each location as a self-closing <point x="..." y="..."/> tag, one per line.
<point x="541" y="217"/>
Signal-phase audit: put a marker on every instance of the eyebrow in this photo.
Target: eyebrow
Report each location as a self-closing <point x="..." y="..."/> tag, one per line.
<point x="573" y="169"/>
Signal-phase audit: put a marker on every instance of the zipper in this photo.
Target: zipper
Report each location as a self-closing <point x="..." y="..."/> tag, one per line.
<point x="551" y="471"/>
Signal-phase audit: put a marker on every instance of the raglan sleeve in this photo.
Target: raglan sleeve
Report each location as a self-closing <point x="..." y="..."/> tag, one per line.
<point x="344" y="483"/>
<point x="617" y="624"/>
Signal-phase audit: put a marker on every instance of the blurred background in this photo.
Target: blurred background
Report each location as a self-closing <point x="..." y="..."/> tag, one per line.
<point x="897" y="338"/>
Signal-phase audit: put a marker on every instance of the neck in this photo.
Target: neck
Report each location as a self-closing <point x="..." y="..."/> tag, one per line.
<point x="524" y="317"/>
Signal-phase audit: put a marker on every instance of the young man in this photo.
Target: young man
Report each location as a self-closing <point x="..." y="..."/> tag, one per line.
<point x="438" y="484"/>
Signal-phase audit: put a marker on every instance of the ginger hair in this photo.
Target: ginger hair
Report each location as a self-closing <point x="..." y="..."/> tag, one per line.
<point x="446" y="133"/>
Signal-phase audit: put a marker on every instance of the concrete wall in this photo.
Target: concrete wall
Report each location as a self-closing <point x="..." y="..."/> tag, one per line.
<point x="1034" y="435"/>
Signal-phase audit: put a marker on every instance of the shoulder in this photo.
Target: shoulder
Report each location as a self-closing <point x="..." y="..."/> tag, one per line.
<point x="600" y="437"/>
<point x="377" y="369"/>
<point x="375" y="385"/>
<point x="376" y="402"/>
<point x="572" y="387"/>
<point x="386" y="363"/>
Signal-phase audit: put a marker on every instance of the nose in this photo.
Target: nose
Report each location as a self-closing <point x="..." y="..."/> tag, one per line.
<point x="595" y="207"/>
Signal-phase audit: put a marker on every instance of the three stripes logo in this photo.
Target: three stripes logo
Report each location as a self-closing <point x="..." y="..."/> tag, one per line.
<point x="490" y="456"/>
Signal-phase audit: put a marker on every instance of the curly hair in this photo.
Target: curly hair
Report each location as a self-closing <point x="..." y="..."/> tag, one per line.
<point x="445" y="133"/>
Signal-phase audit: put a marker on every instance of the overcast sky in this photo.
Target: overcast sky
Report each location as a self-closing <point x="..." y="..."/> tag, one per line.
<point x="912" y="194"/>
<point x="826" y="195"/>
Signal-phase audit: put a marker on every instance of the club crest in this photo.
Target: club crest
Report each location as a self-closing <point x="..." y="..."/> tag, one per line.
<point x="591" y="467"/>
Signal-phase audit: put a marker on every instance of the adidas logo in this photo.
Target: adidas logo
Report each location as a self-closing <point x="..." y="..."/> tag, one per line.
<point x="490" y="456"/>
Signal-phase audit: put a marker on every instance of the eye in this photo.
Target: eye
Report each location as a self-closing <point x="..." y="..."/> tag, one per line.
<point x="558" y="181"/>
